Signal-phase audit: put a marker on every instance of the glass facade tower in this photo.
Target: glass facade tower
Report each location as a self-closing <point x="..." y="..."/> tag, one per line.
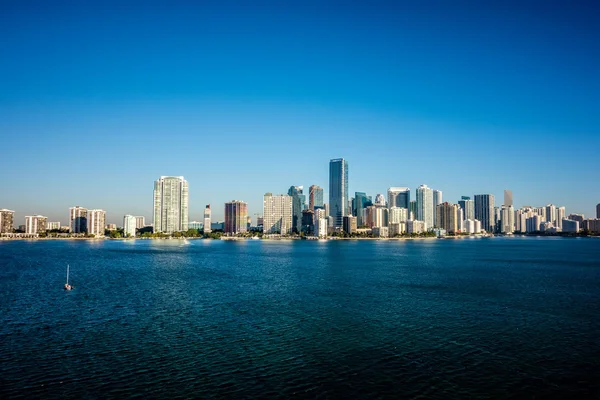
<point x="338" y="191"/>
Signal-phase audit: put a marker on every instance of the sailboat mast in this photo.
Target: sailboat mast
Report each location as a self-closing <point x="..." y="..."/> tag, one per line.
<point x="67" y="274"/>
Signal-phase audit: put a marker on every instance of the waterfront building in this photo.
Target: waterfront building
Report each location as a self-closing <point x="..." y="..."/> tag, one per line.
<point x="577" y="217"/>
<point x="551" y="213"/>
<point x="437" y="200"/>
<point x="425" y="208"/>
<point x="7" y="220"/>
<point x="298" y="203"/>
<point x="277" y="214"/>
<point x="399" y="197"/>
<point x="207" y="225"/>
<point x="468" y="207"/>
<point x="35" y="224"/>
<point x="508" y="198"/>
<point x="484" y="211"/>
<point x="415" y="226"/>
<point x="129" y="225"/>
<point x="533" y="223"/>
<point x="349" y="224"/>
<point x="376" y="216"/>
<point x="338" y="190"/>
<point x="195" y="225"/>
<point x="412" y="210"/>
<point x="78" y="219"/>
<point x="361" y="201"/>
<point x="397" y="228"/>
<point x="507" y="219"/>
<point x="380" y="231"/>
<point x="53" y="226"/>
<point x="560" y="215"/>
<point x="321" y="228"/>
<point x="497" y="217"/>
<point x="308" y="222"/>
<point x="236" y="217"/>
<point x="598" y="211"/>
<point x="570" y="226"/>
<point x="471" y="226"/>
<point x="591" y="225"/>
<point x="380" y="200"/>
<point x="397" y="215"/>
<point x="315" y="196"/>
<point x="447" y="217"/>
<point x="171" y="199"/>
<point x="96" y="221"/>
<point x="140" y="222"/>
<point x="111" y="227"/>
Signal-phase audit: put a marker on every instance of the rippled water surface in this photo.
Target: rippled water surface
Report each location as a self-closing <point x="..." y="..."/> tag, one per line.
<point x="480" y="318"/>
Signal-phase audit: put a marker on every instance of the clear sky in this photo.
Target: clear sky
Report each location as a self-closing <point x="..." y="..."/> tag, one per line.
<point x="98" y="100"/>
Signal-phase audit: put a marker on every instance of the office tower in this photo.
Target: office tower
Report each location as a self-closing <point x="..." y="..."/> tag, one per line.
<point x="53" y="226"/>
<point x="277" y="214"/>
<point x="361" y="201"/>
<point x="308" y="222"/>
<point x="570" y="226"/>
<point x="338" y="190"/>
<point x="380" y="200"/>
<point x="507" y="219"/>
<point x="412" y="210"/>
<point x="78" y="219"/>
<point x="129" y="225"/>
<point x="315" y="197"/>
<point x="551" y="214"/>
<point x="598" y="211"/>
<point x="508" y="198"/>
<point x="349" y="224"/>
<point x="399" y="197"/>
<point x="35" y="224"/>
<point x="437" y="200"/>
<point x="425" y="206"/>
<point x="484" y="211"/>
<point x="207" y="219"/>
<point x="468" y="207"/>
<point x="236" y="217"/>
<point x="171" y="204"/>
<point x="7" y="218"/>
<point x="397" y="215"/>
<point x="447" y="217"/>
<point x="96" y="221"/>
<point x="140" y="222"/>
<point x="298" y="203"/>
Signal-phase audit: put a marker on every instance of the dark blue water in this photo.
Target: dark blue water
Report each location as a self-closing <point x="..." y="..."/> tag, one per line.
<point x="481" y="318"/>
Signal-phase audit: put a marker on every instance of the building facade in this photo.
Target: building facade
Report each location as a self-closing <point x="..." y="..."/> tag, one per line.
<point x="277" y="214"/>
<point x="425" y="208"/>
<point x="236" y="217"/>
<point x="53" y="226"/>
<point x="315" y="196"/>
<point x="207" y="219"/>
<point x="129" y="225"/>
<point x="397" y="215"/>
<point x="338" y="190"/>
<point x="570" y="226"/>
<point x="140" y="222"/>
<point x="78" y="219"/>
<point x="350" y="225"/>
<point x="437" y="200"/>
<point x="35" y="224"/>
<point x="468" y="207"/>
<point x="399" y="197"/>
<point x="508" y="198"/>
<point x="96" y="221"/>
<point x="7" y="220"/>
<point x="447" y="217"/>
<point x="484" y="211"/>
<point x="171" y="201"/>
<point x="298" y="203"/>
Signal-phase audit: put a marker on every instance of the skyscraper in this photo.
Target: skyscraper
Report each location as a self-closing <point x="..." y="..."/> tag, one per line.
<point x="207" y="219"/>
<point x="437" y="200"/>
<point x="448" y="216"/>
<point x="236" y="217"/>
<point x="277" y="214"/>
<point x="338" y="190"/>
<point x="508" y="198"/>
<point x="298" y="203"/>
<point x="380" y="200"/>
<point x="484" y="211"/>
<point x="96" y="221"/>
<point x="140" y="222"/>
<point x="78" y="219"/>
<point x="425" y="206"/>
<point x="7" y="218"/>
<point x="315" y="197"/>
<point x="399" y="197"/>
<point x="598" y="211"/>
<point x="361" y="201"/>
<point x="129" y="225"/>
<point x="412" y="210"/>
<point x="551" y="214"/>
<point x="468" y="207"/>
<point x="35" y="224"/>
<point x="170" y="204"/>
<point x="560" y="215"/>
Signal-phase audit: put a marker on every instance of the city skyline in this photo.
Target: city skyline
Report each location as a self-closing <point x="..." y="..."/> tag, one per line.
<point x="458" y="98"/>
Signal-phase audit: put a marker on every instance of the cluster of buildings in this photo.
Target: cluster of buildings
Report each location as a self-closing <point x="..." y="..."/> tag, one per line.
<point x="285" y="214"/>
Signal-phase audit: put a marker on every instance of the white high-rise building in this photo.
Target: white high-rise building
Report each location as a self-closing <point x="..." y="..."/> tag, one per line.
<point x="171" y="204"/>
<point x="96" y="221"/>
<point x="560" y="215"/>
<point x="35" y="224"/>
<point x="129" y="225"/>
<point x="551" y="214"/>
<point x="140" y="222"/>
<point x="425" y="206"/>
<point x="78" y="219"/>
<point x="437" y="200"/>
<point x="380" y="200"/>
<point x="52" y="226"/>
<point x="415" y="226"/>
<point x="321" y="227"/>
<point x="507" y="219"/>
<point x="277" y="214"/>
<point x="207" y="219"/>
<point x="397" y="215"/>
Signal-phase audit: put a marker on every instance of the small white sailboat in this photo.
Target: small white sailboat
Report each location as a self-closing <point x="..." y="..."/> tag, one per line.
<point x="67" y="286"/>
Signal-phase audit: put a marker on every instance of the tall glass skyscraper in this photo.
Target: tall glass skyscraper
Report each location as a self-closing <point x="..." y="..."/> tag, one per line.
<point x="298" y="202"/>
<point x="315" y="197"/>
<point x="338" y="191"/>
<point x="425" y="208"/>
<point x="399" y="197"/>
<point x="484" y="211"/>
<point x="170" y="204"/>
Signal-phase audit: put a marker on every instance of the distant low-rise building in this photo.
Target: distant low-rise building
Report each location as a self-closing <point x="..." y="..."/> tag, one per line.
<point x="397" y="228"/>
<point x="380" y="231"/>
<point x="53" y="226"/>
<point x="570" y="226"/>
<point x="415" y="226"/>
<point x="195" y="225"/>
<point x="591" y="225"/>
<point x="111" y="227"/>
<point x="35" y="224"/>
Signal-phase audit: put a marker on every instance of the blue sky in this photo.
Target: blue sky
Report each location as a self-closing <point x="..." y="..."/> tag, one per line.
<point x="98" y="100"/>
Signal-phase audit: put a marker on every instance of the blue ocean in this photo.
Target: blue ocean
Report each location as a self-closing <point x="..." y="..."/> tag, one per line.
<point x="437" y="319"/>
